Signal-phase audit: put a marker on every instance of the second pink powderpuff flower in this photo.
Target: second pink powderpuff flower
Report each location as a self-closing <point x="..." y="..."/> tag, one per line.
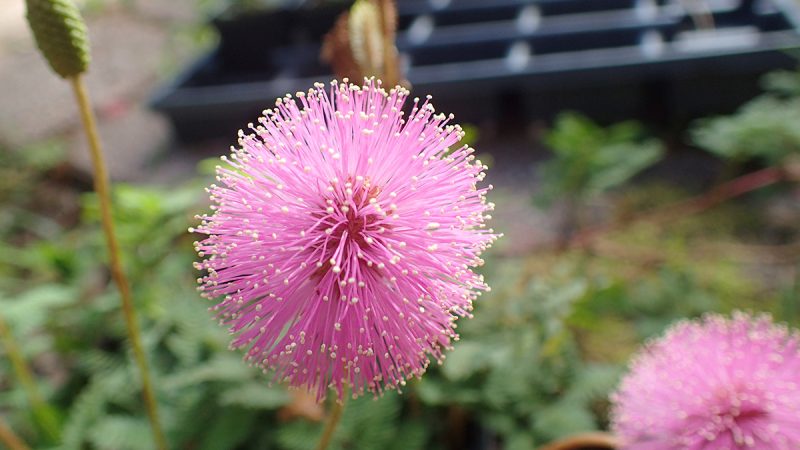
<point x="343" y="236"/>
<point x="713" y="384"/>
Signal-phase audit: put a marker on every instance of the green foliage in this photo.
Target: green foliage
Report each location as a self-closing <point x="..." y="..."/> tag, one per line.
<point x="537" y="362"/>
<point x="517" y="366"/>
<point x="120" y="432"/>
<point x="764" y="129"/>
<point x="782" y="82"/>
<point x="147" y="221"/>
<point x="367" y="423"/>
<point x="23" y="175"/>
<point x="588" y="159"/>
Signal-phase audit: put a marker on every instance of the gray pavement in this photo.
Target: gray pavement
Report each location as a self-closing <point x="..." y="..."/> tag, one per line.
<point x="134" y="47"/>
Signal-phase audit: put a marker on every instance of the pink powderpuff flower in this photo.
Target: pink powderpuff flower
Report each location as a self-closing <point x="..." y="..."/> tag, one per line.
<point x="343" y="236"/>
<point x="713" y="384"/>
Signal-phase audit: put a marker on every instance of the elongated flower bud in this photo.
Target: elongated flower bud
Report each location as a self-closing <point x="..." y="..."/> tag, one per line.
<point x="60" y="34"/>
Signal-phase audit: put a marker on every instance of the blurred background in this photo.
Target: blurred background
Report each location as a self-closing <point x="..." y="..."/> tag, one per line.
<point x="645" y="160"/>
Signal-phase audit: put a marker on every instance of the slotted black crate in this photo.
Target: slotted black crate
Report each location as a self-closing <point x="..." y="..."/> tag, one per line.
<point x="495" y="59"/>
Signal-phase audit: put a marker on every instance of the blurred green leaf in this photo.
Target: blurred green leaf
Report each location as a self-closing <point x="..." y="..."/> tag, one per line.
<point x="254" y="396"/>
<point x="562" y="419"/>
<point x="464" y="360"/>
<point x="31" y="309"/>
<point x="764" y="129"/>
<point x="588" y="159"/>
<point x="228" y="431"/>
<point x="122" y="433"/>
<point x="782" y="82"/>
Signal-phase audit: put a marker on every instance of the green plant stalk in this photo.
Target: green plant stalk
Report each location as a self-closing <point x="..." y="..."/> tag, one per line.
<point x="43" y="413"/>
<point x="101" y="186"/>
<point x="333" y="420"/>
<point x="570" y="221"/>
<point x="11" y="440"/>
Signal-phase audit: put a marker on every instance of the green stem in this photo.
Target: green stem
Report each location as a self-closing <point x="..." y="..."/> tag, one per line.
<point x="333" y="420"/>
<point x="43" y="413"/>
<point x="11" y="440"/>
<point x="101" y="186"/>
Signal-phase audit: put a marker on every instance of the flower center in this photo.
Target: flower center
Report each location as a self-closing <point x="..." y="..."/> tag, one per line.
<point x="739" y="414"/>
<point x="352" y="219"/>
<point x="356" y="213"/>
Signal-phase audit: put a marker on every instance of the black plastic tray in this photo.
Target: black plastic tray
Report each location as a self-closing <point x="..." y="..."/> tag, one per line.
<point x="537" y="56"/>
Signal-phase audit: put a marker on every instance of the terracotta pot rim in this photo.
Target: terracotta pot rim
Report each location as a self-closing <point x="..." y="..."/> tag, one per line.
<point x="584" y="440"/>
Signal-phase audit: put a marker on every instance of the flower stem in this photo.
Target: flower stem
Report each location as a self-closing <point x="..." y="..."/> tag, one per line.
<point x="42" y="412"/>
<point x="584" y="440"/>
<point x="9" y="439"/>
<point x="333" y="420"/>
<point x="101" y="186"/>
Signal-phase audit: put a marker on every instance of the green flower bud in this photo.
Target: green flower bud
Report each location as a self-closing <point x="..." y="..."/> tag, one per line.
<point x="60" y="34"/>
